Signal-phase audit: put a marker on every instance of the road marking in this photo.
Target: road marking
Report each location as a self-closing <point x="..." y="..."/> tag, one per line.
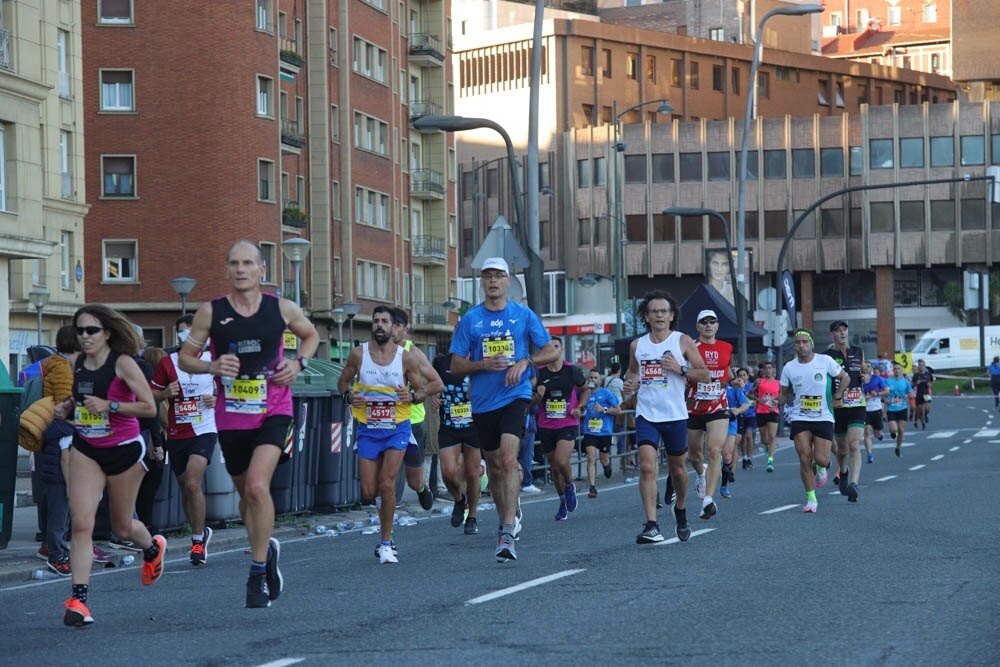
<point x="986" y="433"/>
<point x="954" y="449"/>
<point x="968" y="440"/>
<point x="783" y="508"/>
<point x="284" y="662"/>
<point x="885" y="479"/>
<point x="520" y="587"/>
<point x="918" y="466"/>
<point x="694" y="533"/>
<point x="937" y="458"/>
<point x="940" y="435"/>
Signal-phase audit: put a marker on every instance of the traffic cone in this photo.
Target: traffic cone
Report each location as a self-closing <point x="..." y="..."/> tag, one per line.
<point x="957" y="392"/>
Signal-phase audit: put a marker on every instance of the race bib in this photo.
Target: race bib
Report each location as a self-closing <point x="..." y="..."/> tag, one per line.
<point x="595" y="425"/>
<point x="555" y="409"/>
<point x="187" y="411"/>
<point x="246" y="396"/>
<point x="651" y="373"/>
<point x="380" y="414"/>
<point x="499" y="345"/>
<point x="92" y="424"/>
<point x="811" y="406"/>
<point x="896" y="402"/>
<point x="461" y="414"/>
<point x="854" y="398"/>
<point x="708" y="391"/>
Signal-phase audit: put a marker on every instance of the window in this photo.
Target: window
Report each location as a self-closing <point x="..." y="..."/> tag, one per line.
<point x="735" y="81"/>
<point x="66" y="178"/>
<point x="370" y="60"/>
<point x="265" y="98"/>
<point x="372" y="134"/>
<point x="832" y="223"/>
<point x="62" y="63"/>
<point x="930" y="13"/>
<point x="335" y="209"/>
<point x="372" y="208"/>
<point x="554" y="290"/>
<point x="895" y="15"/>
<point x="831" y="162"/>
<point x="775" y="224"/>
<point x="116" y="90"/>
<point x="973" y="214"/>
<point x="786" y="74"/>
<point x="632" y="66"/>
<point x="718" y="78"/>
<point x="664" y="228"/>
<point x="263" y="15"/>
<point x="882" y="216"/>
<point x="880" y="153"/>
<point x="584" y="232"/>
<point x="606" y="73"/>
<point x="942" y="215"/>
<point x="334" y="123"/>
<point x="588" y="115"/>
<point x="583" y="177"/>
<point x="587" y="61"/>
<point x="856" y="160"/>
<point x="774" y="166"/>
<point x="600" y="171"/>
<point x="717" y="34"/>
<point x="676" y="73"/>
<point x="690" y="167"/>
<point x="373" y="280"/>
<point x="120" y="261"/>
<point x="333" y="47"/>
<point x="66" y="260"/>
<point x="265" y="180"/>
<point x="119" y="176"/>
<point x="821" y="92"/>
<point x="995" y="149"/>
<point x="763" y="84"/>
<point x="942" y="152"/>
<point x="663" y="168"/>
<point x="753" y="168"/>
<point x="693" y="78"/>
<point x="935" y="62"/>
<point x="651" y="69"/>
<point x="114" y="11"/>
<point x="911" y="216"/>
<point x="911" y="152"/>
<point x="973" y="151"/>
<point x="718" y="166"/>
<point x="803" y="163"/>
<point x="3" y="170"/>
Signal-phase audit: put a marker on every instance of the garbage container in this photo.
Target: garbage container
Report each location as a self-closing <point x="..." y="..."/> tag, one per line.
<point x="222" y="503"/>
<point x="338" y="482"/>
<point x="10" y="413"/>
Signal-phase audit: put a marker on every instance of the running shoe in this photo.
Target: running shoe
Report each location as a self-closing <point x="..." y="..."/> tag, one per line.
<point x="152" y="569"/>
<point x="871" y="458"/>
<point x="258" y="595"/>
<point x="199" y="548"/>
<point x="836" y="480"/>
<point x="709" y="510"/>
<point x="517" y="521"/>
<point x="60" y="566"/>
<point x="650" y="534"/>
<point x="571" y="501"/>
<point x="128" y="545"/>
<point x="668" y="493"/>
<point x="275" y="582"/>
<point x="770" y="465"/>
<point x="76" y="615"/>
<point x="505" y="548"/>
<point x="607" y="471"/>
<point x="426" y="497"/>
<point x="810" y="507"/>
<point x="561" y="512"/>
<point x="392" y="543"/>
<point x="471" y="526"/>
<point x="531" y="488"/>
<point x="683" y="530"/>
<point x="43" y="552"/>
<point x="458" y="511"/>
<point x="386" y="555"/>
<point x="101" y="556"/>
<point x="898" y="453"/>
<point x="852" y="493"/>
<point x="750" y="465"/>
<point x="732" y="477"/>
<point x="593" y="492"/>
<point x="725" y="492"/>
<point x="821" y="476"/>
<point x="845" y="479"/>
<point x="744" y="463"/>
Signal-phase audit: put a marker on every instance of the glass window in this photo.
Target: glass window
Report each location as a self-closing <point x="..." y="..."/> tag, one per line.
<point x="832" y="222"/>
<point x="775" y="224"/>
<point x="881" y="153"/>
<point x="635" y="228"/>
<point x="693" y="76"/>
<point x="995" y="149"/>
<point x="692" y="229"/>
<point x="718" y="166"/>
<point x="803" y="163"/>
<point x="119" y="176"/>
<point x="774" y="165"/>
<point x="115" y="11"/>
<point x="119" y="261"/>
<point x="583" y="231"/>
<point x="690" y="167"/>
<point x="663" y="228"/>
<point x="911" y="216"/>
<point x="583" y="178"/>
<point x="856" y="160"/>
<point x="807" y="229"/>
<point x="600" y="171"/>
<point x="753" y="169"/>
<point x="831" y="162"/>
<point x="116" y="90"/>
<point x="587" y="60"/>
<point x="718" y="78"/>
<point x="751" y="224"/>
<point x="826" y="294"/>
<point x="973" y="214"/>
<point x="882" y="216"/>
<point x="857" y="289"/>
<point x="942" y="215"/>
<point x="942" y="152"/>
<point x="906" y="288"/>
<point x="635" y="168"/>
<point x="663" y="167"/>
<point x="911" y="152"/>
<point x="973" y="151"/>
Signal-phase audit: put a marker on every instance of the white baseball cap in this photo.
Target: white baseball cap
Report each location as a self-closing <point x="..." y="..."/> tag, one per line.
<point x="495" y="263"/>
<point x="706" y="313"/>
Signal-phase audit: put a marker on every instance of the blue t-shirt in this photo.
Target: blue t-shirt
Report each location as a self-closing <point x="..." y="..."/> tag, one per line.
<point x="505" y="332"/>
<point x="736" y="397"/>
<point x="898" y="391"/>
<point x="995" y="369"/>
<point x="605" y="399"/>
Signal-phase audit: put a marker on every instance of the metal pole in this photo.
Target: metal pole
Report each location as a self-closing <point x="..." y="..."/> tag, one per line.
<point x="475" y="209"/>
<point x="39" y="325"/>
<point x="184" y="310"/>
<point x="616" y="241"/>
<point x="535" y="267"/>
<point x="340" y="342"/>
<point x="296" y="267"/>
<point x="982" y="322"/>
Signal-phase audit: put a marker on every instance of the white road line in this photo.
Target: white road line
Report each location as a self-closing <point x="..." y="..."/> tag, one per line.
<point x="694" y="533"/>
<point x="968" y="440"/>
<point x="885" y="479"/>
<point x="954" y="449"/>
<point x="937" y="458"/>
<point x="994" y="441"/>
<point x="284" y="662"/>
<point x="918" y="466"/>
<point x="520" y="587"/>
<point x="986" y="433"/>
<point x="783" y="508"/>
<point x="940" y="435"/>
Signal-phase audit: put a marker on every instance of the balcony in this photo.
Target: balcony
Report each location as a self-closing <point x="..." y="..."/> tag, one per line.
<point x="290" y="134"/>
<point x="292" y="215"/>
<point x="429" y="250"/>
<point x="426" y="184"/>
<point x="290" y="53"/>
<point x="429" y="313"/>
<point x="426" y="50"/>
<point x="420" y="108"/>
<point x="4" y="49"/>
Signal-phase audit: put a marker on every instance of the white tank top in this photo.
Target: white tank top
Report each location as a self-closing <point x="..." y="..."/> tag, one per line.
<point x="661" y="393"/>
<point x="373" y="375"/>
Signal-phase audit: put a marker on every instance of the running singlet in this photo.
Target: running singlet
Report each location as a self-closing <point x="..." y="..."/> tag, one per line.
<point x="854" y="395"/>
<point x="486" y="333"/>
<point x="600" y="423"/>
<point x="455" y="410"/>
<point x="873" y="389"/>
<point x="812" y="383"/>
<point x="251" y="397"/>
<point x="417" y="411"/>
<point x="188" y="415"/>
<point x="555" y="410"/>
<point x="102" y="429"/>
<point x="899" y="391"/>
<point x="922" y="381"/>
<point x="661" y="392"/>
<point x="767" y="396"/>
<point x="377" y="384"/>
<point x="707" y="397"/>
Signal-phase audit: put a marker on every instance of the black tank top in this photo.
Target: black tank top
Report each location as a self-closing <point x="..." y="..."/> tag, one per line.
<point x="258" y="338"/>
<point x="93" y="383"/>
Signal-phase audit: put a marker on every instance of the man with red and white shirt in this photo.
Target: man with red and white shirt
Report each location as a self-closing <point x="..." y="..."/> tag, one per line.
<point x="708" y="411"/>
<point x="191" y="438"/>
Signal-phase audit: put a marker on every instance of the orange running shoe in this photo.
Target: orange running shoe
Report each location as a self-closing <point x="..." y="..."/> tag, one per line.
<point x="76" y="615"/>
<point x="152" y="569"/>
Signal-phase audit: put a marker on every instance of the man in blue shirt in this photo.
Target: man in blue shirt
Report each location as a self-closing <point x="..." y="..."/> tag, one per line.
<point x="598" y="427"/>
<point x="491" y="346"/>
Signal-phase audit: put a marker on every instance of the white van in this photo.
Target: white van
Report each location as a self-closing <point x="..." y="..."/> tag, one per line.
<point x="956" y="347"/>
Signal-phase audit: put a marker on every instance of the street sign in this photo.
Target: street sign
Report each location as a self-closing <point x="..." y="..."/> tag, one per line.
<point x="501" y="242"/>
<point x="766" y="298"/>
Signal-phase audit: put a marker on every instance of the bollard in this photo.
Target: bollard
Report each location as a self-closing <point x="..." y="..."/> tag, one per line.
<point x="957" y="392"/>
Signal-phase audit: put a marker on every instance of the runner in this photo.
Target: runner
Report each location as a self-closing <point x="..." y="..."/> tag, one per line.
<point x="808" y="376"/>
<point x="254" y="413"/>
<point x="994" y="372"/>
<point x="561" y="393"/>
<point x="659" y="364"/>
<point x="850" y="417"/>
<point x="490" y="345"/>
<point x="900" y="390"/>
<point x="875" y="389"/>
<point x="749" y="418"/>
<point x="598" y="427"/>
<point x="738" y="405"/>
<point x="459" y="450"/>
<point x="923" y="378"/>
<point x="765" y="393"/>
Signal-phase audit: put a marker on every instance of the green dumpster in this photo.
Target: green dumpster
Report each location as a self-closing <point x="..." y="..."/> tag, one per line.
<point x="10" y="413"/>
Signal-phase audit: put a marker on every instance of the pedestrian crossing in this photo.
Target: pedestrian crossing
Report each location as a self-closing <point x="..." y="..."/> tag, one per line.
<point x="981" y="433"/>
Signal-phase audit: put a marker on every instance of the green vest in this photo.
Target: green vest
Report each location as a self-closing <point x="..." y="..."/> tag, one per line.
<point x="417" y="411"/>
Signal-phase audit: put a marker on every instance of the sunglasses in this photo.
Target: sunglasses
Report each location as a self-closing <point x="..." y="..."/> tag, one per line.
<point x="708" y="320"/>
<point x="90" y="331"/>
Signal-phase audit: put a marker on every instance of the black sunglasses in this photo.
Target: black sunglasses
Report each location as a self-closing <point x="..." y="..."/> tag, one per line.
<point x="90" y="331"/>
<point x="708" y="320"/>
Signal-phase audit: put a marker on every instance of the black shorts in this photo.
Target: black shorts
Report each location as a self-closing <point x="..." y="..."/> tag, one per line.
<point x="897" y="416"/>
<point x="490" y="426"/>
<point x="844" y="418"/>
<point x="549" y="437"/>
<point x="448" y="437"/>
<point x="184" y="448"/>
<point x="601" y="442"/>
<point x="113" y="460"/>
<point x="699" y="422"/>
<point x="822" y="430"/>
<point x="414" y="456"/>
<point x="767" y="418"/>
<point x="237" y="446"/>
<point x="922" y="397"/>
<point x="749" y="423"/>
<point x="874" y="419"/>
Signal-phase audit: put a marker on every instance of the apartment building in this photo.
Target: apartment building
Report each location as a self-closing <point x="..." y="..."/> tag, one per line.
<point x="42" y="195"/>
<point x="269" y="121"/>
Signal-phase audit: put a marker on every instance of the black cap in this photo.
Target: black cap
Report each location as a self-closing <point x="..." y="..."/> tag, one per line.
<point x="837" y="324"/>
<point x="399" y="317"/>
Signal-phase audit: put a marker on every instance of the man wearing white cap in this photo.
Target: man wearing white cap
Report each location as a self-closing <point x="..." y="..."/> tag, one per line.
<point x="491" y="346"/>
<point x="708" y="411"/>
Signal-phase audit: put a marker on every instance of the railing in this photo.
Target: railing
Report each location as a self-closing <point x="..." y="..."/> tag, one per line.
<point x="420" y="108"/>
<point x="67" y="185"/>
<point x="423" y="44"/>
<point x="427" y="180"/>
<point x="429" y="313"/>
<point x="4" y="49"/>
<point x="432" y="247"/>
<point x="290" y="52"/>
<point x="290" y="133"/>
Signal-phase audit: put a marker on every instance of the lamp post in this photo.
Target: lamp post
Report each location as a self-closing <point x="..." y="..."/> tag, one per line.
<point x="352" y="308"/>
<point x="296" y="250"/>
<point x="689" y="211"/>
<point x="459" y="124"/>
<point x="183" y="287"/>
<point x="478" y="196"/>
<point x="617" y="247"/>
<point x="460" y="306"/>
<point x="339" y="316"/>
<point x="39" y="299"/>
<point x="741" y="314"/>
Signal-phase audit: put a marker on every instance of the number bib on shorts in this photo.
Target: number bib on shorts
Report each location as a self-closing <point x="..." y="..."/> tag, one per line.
<point x="246" y="396"/>
<point x="651" y="373"/>
<point x="595" y="425"/>
<point x="92" y="424"/>
<point x="854" y="397"/>
<point x="811" y="406"/>
<point x="708" y="391"/>
<point x="555" y="409"/>
<point x="461" y="414"/>
<point x="502" y="345"/>
<point x="380" y="414"/>
<point x="188" y="411"/>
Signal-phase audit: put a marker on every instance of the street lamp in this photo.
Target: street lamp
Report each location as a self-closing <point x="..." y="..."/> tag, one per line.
<point x="296" y="250"/>
<point x="339" y="316"/>
<point x="619" y="267"/>
<point x="460" y="124"/>
<point x="183" y="287"/>
<point x="690" y="211"/>
<point x="352" y="308"/>
<point x="741" y="313"/>
<point x="39" y="299"/>
<point x="478" y="196"/>
<point x="460" y="306"/>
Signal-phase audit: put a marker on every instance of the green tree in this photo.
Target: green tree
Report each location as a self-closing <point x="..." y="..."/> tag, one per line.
<point x="955" y="301"/>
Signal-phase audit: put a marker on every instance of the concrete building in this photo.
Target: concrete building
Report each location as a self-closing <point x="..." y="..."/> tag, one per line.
<point x="41" y="170"/>
<point x="269" y="121"/>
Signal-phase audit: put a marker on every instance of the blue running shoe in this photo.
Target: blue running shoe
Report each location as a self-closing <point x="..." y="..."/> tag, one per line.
<point x="570" y="492"/>
<point x="561" y="514"/>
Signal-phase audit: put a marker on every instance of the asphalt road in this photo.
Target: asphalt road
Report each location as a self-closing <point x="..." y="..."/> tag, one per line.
<point x="906" y="576"/>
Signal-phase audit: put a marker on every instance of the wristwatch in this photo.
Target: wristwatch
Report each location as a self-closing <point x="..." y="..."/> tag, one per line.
<point x="113" y="408"/>
<point x="303" y="361"/>
<point x="684" y="370"/>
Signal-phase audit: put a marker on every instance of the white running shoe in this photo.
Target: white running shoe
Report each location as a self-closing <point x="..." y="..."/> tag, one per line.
<point x="821" y="476"/>
<point x="385" y="554"/>
<point x="811" y="507"/>
<point x="531" y="488"/>
<point x="700" y="486"/>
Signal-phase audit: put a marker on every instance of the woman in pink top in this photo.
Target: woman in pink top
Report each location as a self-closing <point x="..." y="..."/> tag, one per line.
<point x="765" y="391"/>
